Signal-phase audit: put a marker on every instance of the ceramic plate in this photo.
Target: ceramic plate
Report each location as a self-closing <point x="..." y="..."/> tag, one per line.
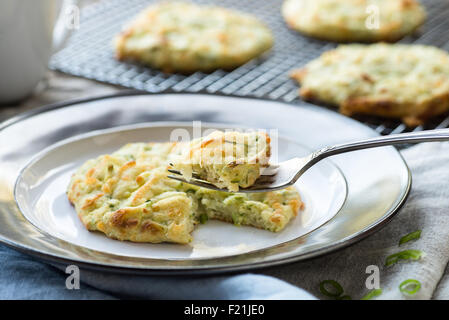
<point x="347" y="197"/>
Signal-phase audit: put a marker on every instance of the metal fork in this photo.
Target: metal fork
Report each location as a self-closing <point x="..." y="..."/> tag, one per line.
<point x="286" y="173"/>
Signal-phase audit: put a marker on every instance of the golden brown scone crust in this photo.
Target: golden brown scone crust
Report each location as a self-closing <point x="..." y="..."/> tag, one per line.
<point x="409" y="82"/>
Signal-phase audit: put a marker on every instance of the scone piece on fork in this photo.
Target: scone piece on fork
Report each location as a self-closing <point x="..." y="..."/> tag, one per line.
<point x="229" y="160"/>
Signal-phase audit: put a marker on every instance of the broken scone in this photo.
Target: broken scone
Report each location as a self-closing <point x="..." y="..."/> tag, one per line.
<point x="127" y="196"/>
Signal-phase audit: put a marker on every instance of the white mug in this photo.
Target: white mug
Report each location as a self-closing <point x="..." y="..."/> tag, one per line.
<point x="30" y="32"/>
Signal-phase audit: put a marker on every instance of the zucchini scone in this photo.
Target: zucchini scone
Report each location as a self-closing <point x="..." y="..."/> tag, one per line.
<point x="409" y="82"/>
<point x="184" y="37"/>
<point x="354" y="20"/>
<point x="226" y="159"/>
<point x="127" y="196"/>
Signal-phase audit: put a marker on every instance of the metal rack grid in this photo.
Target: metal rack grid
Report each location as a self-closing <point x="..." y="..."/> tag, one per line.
<point x="90" y="54"/>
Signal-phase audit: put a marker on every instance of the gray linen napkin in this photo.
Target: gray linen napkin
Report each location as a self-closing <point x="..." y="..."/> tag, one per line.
<point x="427" y="209"/>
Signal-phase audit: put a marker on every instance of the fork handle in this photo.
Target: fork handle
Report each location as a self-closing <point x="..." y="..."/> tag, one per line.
<point x="413" y="137"/>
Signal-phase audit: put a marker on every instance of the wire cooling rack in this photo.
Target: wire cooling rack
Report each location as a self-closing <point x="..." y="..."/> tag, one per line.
<point x="90" y="54"/>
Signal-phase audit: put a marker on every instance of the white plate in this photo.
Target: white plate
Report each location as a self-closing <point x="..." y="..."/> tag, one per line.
<point x="41" y="195"/>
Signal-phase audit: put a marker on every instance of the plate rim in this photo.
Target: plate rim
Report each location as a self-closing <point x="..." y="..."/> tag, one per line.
<point x="199" y="270"/>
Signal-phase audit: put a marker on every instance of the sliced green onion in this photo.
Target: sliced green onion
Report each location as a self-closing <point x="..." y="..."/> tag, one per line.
<point x="372" y="294"/>
<point x="410" y="286"/>
<point x="345" y="297"/>
<point x="336" y="292"/>
<point x="411" y="236"/>
<point x="404" y="255"/>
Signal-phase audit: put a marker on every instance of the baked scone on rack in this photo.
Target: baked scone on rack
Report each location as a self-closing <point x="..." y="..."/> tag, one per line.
<point x="354" y="20"/>
<point x="407" y="82"/>
<point x="185" y="37"/>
